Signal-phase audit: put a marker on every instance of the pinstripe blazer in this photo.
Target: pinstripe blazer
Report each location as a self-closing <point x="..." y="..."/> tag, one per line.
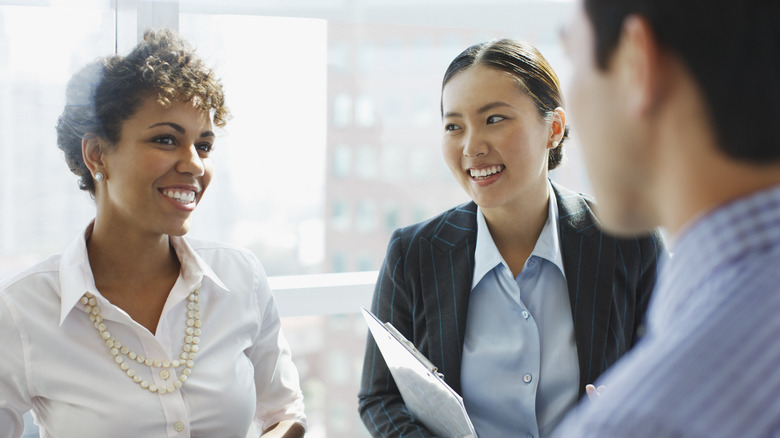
<point x="424" y="285"/>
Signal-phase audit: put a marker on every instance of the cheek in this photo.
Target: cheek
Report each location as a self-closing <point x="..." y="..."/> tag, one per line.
<point x="208" y="172"/>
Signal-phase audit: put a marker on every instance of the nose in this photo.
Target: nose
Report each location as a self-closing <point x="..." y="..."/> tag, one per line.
<point x="475" y="145"/>
<point x="191" y="162"/>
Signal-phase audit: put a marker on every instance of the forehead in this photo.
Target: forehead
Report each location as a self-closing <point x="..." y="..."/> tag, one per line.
<point x="478" y="85"/>
<point x="185" y="113"/>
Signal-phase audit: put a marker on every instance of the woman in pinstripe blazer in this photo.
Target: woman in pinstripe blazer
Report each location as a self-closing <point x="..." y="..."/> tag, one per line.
<point x="504" y="125"/>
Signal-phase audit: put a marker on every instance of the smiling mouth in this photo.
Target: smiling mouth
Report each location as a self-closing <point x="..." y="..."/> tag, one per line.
<point x="182" y="196"/>
<point x="485" y="173"/>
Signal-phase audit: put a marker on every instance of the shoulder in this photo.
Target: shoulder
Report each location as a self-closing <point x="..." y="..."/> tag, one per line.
<point x="459" y="221"/>
<point x="235" y="266"/>
<point x="579" y="211"/>
<point x="46" y="271"/>
<point x="32" y="294"/>
<point x="211" y="251"/>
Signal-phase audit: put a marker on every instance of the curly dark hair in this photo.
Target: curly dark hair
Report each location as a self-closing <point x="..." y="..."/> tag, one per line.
<point x="108" y="91"/>
<point x="533" y="73"/>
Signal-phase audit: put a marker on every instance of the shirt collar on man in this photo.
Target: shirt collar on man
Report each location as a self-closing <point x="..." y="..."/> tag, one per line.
<point x="714" y="241"/>
<point x="548" y="246"/>
<point x="76" y="275"/>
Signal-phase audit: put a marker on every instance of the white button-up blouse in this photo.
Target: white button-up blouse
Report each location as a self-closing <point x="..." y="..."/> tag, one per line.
<point x="55" y="362"/>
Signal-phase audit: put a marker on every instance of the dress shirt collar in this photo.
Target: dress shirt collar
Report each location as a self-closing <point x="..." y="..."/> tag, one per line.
<point x="548" y="245"/>
<point x="76" y="274"/>
<point x="716" y="240"/>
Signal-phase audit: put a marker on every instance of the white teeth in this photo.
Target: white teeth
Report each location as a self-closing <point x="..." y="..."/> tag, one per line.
<point x="484" y="173"/>
<point x="185" y="197"/>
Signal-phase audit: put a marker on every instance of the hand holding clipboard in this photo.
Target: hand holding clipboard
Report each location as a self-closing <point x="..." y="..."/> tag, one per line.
<point x="427" y="396"/>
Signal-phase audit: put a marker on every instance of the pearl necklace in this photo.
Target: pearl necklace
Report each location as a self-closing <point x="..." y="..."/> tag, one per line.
<point x="117" y="350"/>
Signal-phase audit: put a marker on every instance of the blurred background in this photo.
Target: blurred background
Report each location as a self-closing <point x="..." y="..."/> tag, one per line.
<point x="335" y="142"/>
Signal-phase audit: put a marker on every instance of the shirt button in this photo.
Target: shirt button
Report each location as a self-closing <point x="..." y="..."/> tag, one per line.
<point x="164" y="374"/>
<point x="179" y="426"/>
<point x="526" y="314"/>
<point x="529" y="435"/>
<point x="527" y="378"/>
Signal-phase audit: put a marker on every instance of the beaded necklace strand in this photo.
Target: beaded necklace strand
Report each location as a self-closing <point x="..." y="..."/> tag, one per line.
<point x="117" y="350"/>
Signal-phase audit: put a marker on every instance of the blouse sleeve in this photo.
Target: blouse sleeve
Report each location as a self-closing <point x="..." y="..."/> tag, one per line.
<point x="14" y="396"/>
<point x="277" y="384"/>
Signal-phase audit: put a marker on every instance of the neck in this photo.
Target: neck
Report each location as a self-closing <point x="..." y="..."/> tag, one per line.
<point x="515" y="229"/>
<point x="693" y="176"/>
<point x="690" y="174"/>
<point x="126" y="258"/>
<point x="713" y="181"/>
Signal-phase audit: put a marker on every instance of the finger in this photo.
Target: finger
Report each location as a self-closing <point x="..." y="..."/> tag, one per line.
<point x="592" y="392"/>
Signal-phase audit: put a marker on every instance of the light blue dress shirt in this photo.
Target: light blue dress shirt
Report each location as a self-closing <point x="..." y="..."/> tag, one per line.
<point x="708" y="365"/>
<point x="520" y="372"/>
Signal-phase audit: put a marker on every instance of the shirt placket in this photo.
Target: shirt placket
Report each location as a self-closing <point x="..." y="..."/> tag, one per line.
<point x="172" y="402"/>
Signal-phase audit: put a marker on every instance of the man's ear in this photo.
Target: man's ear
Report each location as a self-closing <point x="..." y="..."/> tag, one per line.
<point x="639" y="64"/>
<point x="92" y="149"/>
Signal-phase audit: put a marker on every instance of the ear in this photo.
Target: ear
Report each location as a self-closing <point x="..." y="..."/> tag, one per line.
<point x="557" y="127"/>
<point x="92" y="150"/>
<point x="638" y="63"/>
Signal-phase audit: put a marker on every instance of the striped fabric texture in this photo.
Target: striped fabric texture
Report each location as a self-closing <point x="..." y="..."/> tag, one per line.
<point x="424" y="284"/>
<point x="708" y="366"/>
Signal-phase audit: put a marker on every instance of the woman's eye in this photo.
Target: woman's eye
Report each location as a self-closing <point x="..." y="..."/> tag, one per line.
<point x="451" y="127"/>
<point x="495" y="119"/>
<point x="205" y="147"/>
<point x="165" y="139"/>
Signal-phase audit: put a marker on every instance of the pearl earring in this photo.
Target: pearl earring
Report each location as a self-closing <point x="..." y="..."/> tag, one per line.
<point x="555" y="144"/>
<point x="99" y="176"/>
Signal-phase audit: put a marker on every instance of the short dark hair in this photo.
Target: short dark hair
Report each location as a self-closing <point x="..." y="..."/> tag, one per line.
<point x="533" y="73"/>
<point x="730" y="47"/>
<point x="108" y="91"/>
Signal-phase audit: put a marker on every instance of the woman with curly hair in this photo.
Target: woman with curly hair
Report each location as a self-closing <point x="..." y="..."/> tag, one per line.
<point x="134" y="330"/>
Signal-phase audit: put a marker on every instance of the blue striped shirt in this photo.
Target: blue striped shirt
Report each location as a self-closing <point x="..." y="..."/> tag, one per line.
<point x="708" y="366"/>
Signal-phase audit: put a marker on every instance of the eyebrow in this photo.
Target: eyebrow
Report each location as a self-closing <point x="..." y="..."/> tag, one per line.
<point x="482" y="109"/>
<point x="180" y="129"/>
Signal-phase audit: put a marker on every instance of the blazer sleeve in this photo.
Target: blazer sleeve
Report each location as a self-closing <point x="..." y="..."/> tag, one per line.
<point x="380" y="404"/>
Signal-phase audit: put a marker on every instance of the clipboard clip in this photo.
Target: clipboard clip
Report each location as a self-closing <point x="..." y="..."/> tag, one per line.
<point x="412" y="349"/>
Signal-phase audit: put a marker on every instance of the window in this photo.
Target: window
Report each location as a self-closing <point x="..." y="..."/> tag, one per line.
<point x="336" y="109"/>
<point x="342" y="161"/>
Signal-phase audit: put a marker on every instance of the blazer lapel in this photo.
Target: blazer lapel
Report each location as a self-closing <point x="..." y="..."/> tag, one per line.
<point x="589" y="262"/>
<point x="448" y="264"/>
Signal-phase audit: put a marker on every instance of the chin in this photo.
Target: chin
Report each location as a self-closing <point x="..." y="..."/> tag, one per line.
<point x="180" y="230"/>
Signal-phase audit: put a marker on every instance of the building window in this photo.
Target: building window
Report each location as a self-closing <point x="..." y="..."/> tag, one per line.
<point x="342" y="161"/>
<point x="364" y="112"/>
<point x="365" y="216"/>
<point x="392" y="217"/>
<point x="342" y="110"/>
<point x="366" y="162"/>
<point x="340" y="217"/>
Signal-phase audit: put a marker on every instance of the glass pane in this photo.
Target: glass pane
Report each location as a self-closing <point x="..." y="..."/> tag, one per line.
<point x="41" y="207"/>
<point x="346" y="94"/>
<point x="328" y="351"/>
<point x="337" y="115"/>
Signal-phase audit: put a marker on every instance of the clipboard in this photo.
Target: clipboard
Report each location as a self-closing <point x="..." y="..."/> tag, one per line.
<point x="427" y="396"/>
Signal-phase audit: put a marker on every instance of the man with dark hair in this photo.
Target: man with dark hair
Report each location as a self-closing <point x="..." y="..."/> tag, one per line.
<point x="673" y="102"/>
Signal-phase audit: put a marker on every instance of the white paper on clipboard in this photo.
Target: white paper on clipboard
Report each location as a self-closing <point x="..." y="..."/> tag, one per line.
<point x="427" y="396"/>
